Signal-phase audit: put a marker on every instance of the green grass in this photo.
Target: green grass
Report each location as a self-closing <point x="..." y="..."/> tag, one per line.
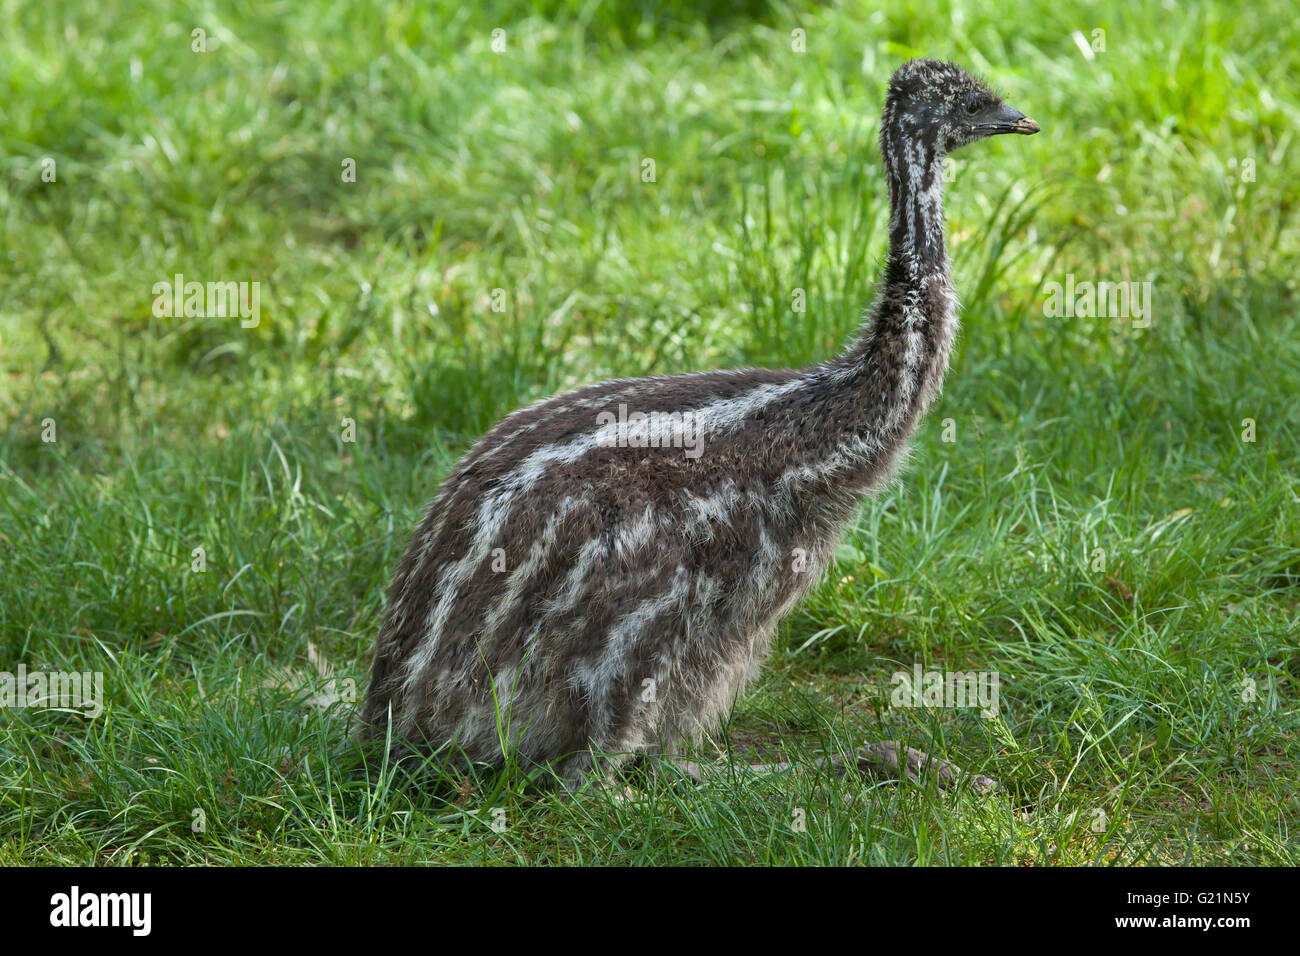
<point x="1097" y="532"/>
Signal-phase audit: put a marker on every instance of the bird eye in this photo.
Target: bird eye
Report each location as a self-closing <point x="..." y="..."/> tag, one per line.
<point x="972" y="105"/>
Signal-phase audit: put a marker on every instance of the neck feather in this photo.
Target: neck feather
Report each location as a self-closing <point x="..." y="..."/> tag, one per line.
<point x="869" y="400"/>
<point x="903" y="349"/>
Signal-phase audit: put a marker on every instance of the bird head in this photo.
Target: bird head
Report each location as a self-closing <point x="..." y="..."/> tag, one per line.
<point x="943" y="104"/>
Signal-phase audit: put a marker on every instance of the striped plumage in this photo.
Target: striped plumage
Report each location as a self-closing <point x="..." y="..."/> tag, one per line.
<point x="574" y="595"/>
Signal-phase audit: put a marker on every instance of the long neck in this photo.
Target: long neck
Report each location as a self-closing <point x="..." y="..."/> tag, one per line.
<point x="914" y="171"/>
<point x="900" y="357"/>
<point x="861" y="408"/>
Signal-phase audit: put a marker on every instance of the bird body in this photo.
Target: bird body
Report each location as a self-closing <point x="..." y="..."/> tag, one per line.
<point x="603" y="572"/>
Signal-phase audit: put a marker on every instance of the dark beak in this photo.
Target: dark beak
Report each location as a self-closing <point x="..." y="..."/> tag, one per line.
<point x="1011" y="121"/>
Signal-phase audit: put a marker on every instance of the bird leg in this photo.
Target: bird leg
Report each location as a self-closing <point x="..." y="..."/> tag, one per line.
<point x="879" y="760"/>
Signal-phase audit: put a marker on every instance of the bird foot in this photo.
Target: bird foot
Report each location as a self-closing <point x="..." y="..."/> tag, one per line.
<point x="883" y="759"/>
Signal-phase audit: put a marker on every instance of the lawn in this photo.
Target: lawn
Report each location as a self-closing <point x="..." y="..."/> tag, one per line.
<point x="453" y="210"/>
